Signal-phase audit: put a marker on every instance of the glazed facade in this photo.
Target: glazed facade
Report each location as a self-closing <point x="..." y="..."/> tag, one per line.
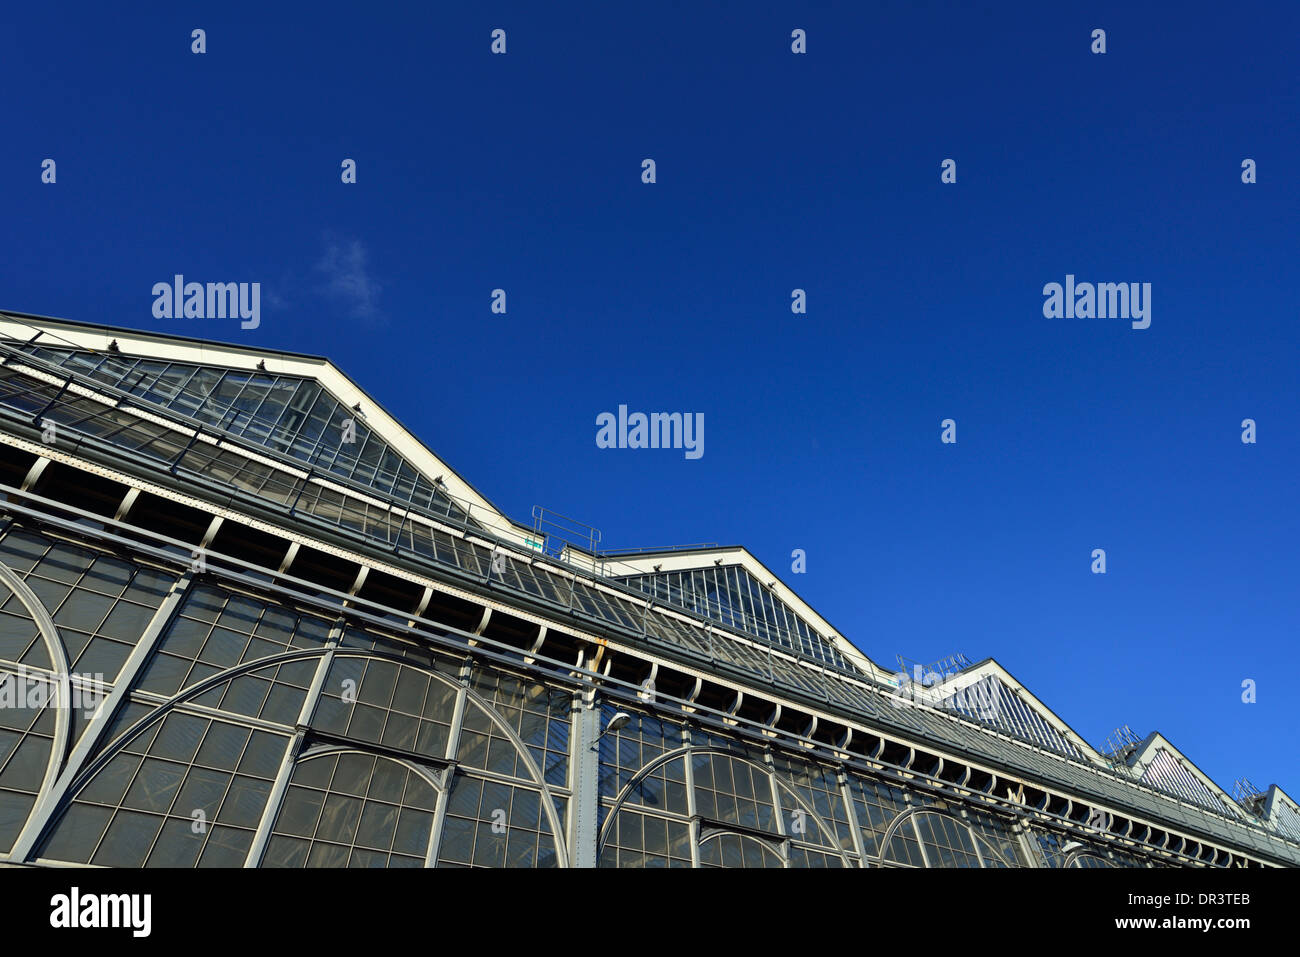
<point x="230" y="636"/>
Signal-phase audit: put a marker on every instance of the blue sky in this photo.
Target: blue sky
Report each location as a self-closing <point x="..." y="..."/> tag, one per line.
<point x="774" y="172"/>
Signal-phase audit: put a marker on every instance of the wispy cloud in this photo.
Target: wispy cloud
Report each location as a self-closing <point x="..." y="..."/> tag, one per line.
<point x="347" y="278"/>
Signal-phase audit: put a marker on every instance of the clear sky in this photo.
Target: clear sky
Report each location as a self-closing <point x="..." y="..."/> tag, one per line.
<point x="775" y="171"/>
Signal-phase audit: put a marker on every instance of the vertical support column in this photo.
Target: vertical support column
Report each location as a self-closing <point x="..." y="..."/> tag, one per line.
<point x="458" y="712"/>
<point x="1033" y="854"/>
<point x="851" y="814"/>
<point x="448" y="775"/>
<point x="925" y="855"/>
<point x="272" y="810"/>
<point x="439" y="817"/>
<point x="691" y="810"/>
<point x="273" y="800"/>
<point x="782" y="825"/>
<point x="41" y="815"/>
<point x="584" y="753"/>
<point x="914" y="802"/>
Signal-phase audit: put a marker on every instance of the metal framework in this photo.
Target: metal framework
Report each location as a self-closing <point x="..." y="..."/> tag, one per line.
<point x="287" y="685"/>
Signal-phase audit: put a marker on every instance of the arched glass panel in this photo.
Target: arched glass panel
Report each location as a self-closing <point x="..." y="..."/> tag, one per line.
<point x="217" y="629"/>
<point x="646" y="840"/>
<point x="903" y="847"/>
<point x="733" y="791"/>
<point x="376" y="701"/>
<point x="495" y="824"/>
<point x="931" y="839"/>
<point x="723" y="849"/>
<point x="352" y="809"/>
<point x="187" y="791"/>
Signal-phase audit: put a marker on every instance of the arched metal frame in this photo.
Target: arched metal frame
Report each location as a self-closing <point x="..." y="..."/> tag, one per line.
<point x="1078" y="854"/>
<point x="272" y="808"/>
<point x="324" y="750"/>
<point x="777" y="851"/>
<point x="60" y="678"/>
<point x="688" y="751"/>
<point x="909" y="815"/>
<point x="557" y="826"/>
<point x="111" y="748"/>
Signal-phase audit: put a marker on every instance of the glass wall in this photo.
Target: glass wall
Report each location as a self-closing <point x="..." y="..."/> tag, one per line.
<point x="250" y="731"/>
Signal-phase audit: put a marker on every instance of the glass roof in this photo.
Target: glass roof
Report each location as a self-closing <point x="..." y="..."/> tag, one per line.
<point x="990" y="700"/>
<point x="731" y="596"/>
<point x="1166" y="773"/>
<point x="290" y="416"/>
<point x="1285" y="818"/>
